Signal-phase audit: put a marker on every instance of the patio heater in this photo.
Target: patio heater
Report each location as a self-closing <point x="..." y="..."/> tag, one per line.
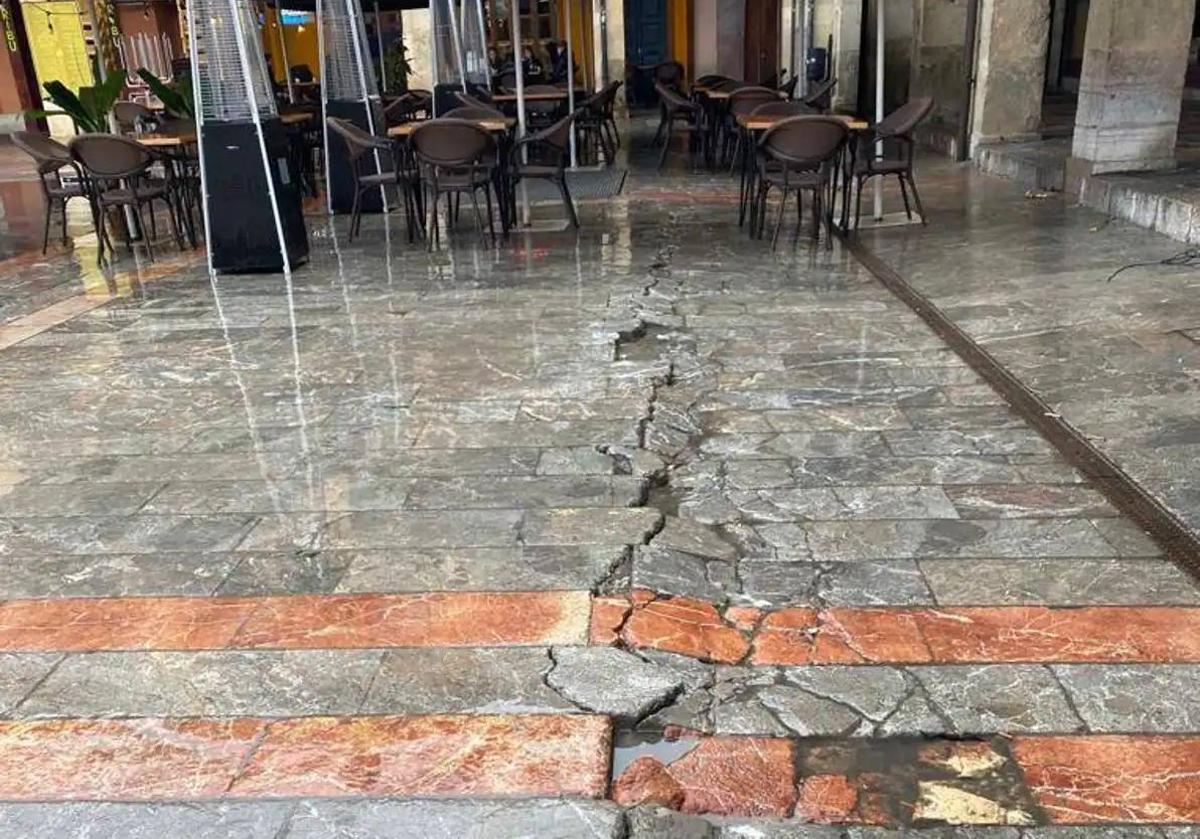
<point x="459" y="51"/>
<point x="252" y="216"/>
<point x="349" y="92"/>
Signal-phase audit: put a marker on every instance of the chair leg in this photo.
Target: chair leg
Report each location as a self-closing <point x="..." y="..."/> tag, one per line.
<point x="904" y="195"/>
<point x="779" y="219"/>
<point x="858" y="201"/>
<point x="63" y="210"/>
<point x="354" y="208"/>
<point x="478" y="216"/>
<point x="567" y="202"/>
<point x="662" y="158"/>
<point x="175" y="229"/>
<point x="917" y="199"/>
<point x="487" y="194"/>
<point x="800" y="212"/>
<point x="46" y="231"/>
<point x="137" y="213"/>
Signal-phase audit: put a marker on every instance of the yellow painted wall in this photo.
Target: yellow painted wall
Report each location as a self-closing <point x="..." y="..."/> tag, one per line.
<point x="679" y="35"/>
<point x="301" y="46"/>
<point x="581" y="36"/>
<point x="56" y="40"/>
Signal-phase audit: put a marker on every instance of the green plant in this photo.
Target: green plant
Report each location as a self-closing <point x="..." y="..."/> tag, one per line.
<point x="176" y="97"/>
<point x="89" y="108"/>
<point x="398" y="68"/>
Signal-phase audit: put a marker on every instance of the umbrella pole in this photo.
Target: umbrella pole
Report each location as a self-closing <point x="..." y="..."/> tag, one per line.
<point x="879" y="36"/>
<point x="571" y="83"/>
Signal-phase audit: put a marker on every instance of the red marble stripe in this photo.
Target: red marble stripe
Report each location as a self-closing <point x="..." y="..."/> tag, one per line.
<point x="448" y="755"/>
<point x="1113" y="778"/>
<point x="122" y="760"/>
<point x="140" y="760"/>
<point x="127" y="623"/>
<point x="311" y="621"/>
<point x="729" y="776"/>
<point x="979" y="635"/>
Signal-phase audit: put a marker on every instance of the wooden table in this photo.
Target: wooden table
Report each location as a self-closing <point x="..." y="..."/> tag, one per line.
<point x="539" y="96"/>
<point x="761" y="123"/>
<point x="723" y="95"/>
<point x="296" y="117"/>
<point x="156" y="141"/>
<point x="404" y="129"/>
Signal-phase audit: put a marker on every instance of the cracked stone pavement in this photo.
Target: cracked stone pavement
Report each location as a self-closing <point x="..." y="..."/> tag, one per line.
<point x="645" y="532"/>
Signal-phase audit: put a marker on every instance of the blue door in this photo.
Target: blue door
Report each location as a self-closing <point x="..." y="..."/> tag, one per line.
<point x="645" y="32"/>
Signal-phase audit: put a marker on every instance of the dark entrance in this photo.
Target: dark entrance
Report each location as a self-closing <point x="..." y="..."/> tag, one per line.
<point x="645" y="32"/>
<point x="762" y="40"/>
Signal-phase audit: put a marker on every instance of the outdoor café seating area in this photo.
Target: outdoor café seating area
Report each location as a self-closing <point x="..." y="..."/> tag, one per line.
<point x="783" y="144"/>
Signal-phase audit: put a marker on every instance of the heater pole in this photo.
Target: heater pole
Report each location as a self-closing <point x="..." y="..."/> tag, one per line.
<point x="879" y="36"/>
<point x="287" y="63"/>
<point x="357" y="34"/>
<point x="198" y="109"/>
<point x="571" y="83"/>
<point x="519" y="70"/>
<point x="456" y="35"/>
<point x="240" y="36"/>
<point x="383" y="79"/>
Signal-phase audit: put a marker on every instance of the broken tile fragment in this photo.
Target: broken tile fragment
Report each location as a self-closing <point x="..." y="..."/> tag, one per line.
<point x="647" y="781"/>
<point x="686" y="626"/>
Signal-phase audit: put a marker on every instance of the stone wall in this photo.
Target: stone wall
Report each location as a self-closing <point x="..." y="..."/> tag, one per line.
<point x="939" y="37"/>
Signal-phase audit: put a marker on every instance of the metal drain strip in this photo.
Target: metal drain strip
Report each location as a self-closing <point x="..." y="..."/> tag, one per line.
<point x="1177" y="541"/>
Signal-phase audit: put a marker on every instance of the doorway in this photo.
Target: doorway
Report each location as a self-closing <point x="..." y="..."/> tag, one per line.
<point x="762" y="41"/>
<point x="645" y="32"/>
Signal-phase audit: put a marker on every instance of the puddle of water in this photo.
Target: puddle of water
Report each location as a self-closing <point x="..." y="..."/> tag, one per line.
<point x="628" y="746"/>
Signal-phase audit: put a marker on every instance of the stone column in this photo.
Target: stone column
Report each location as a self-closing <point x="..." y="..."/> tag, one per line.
<point x="939" y="40"/>
<point x="1135" y="58"/>
<point x="1010" y="70"/>
<point x="18" y="82"/>
<point x="843" y="20"/>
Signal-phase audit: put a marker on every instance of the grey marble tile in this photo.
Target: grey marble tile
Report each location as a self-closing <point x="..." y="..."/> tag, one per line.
<point x="222" y="683"/>
<point x="1138" y="698"/>
<point x="114" y="575"/>
<point x="1059" y="582"/>
<point x="107" y="820"/>
<point x="397" y="819"/>
<point x="465" y="680"/>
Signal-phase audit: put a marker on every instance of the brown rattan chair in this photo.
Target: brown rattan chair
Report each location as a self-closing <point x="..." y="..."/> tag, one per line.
<point x="51" y="158"/>
<point x="117" y="172"/>
<point x="670" y="74"/>
<point x="677" y="110"/>
<point x="783" y="109"/>
<point x="894" y="130"/>
<point x="457" y="156"/>
<point x="133" y="116"/>
<point x="548" y="154"/>
<point x="362" y="148"/>
<point x="788" y="88"/>
<point x="472" y="113"/>
<point x="821" y="96"/>
<point x="475" y="101"/>
<point x="741" y="103"/>
<point x="795" y="155"/>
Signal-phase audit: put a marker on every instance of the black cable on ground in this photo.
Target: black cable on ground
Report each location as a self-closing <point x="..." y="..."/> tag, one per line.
<point x="1189" y="258"/>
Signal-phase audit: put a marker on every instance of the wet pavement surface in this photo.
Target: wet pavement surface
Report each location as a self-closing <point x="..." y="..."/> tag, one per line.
<point x="647" y="531"/>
